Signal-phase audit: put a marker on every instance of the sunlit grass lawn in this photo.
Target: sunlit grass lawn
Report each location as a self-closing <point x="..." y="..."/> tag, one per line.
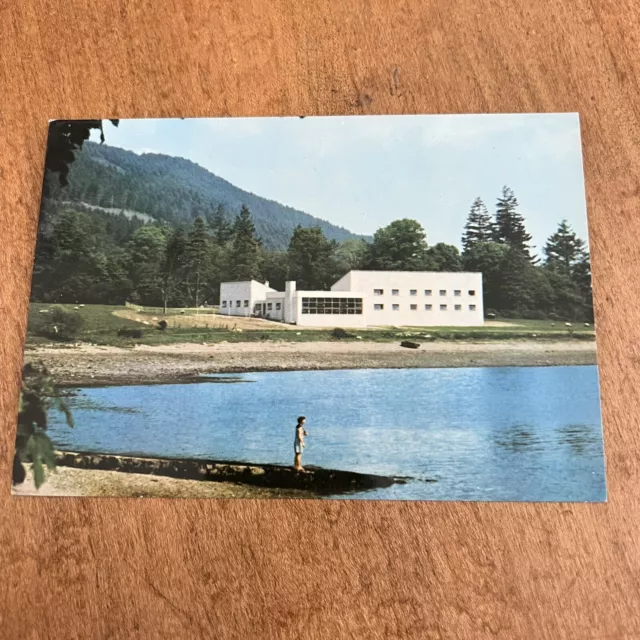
<point x="101" y="327"/>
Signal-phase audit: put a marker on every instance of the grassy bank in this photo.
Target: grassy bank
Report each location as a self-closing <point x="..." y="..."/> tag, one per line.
<point x="101" y="326"/>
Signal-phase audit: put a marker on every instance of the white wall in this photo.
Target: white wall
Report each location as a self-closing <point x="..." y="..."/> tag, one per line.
<point x="404" y="282"/>
<point x="248" y="293"/>
<point x="344" y="284"/>
<point x="276" y="300"/>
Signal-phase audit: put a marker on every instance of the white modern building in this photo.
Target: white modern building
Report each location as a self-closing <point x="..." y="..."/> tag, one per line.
<point x="365" y="298"/>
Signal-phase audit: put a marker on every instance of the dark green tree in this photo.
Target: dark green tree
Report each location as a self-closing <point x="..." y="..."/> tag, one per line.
<point x="479" y="226"/>
<point x="75" y="257"/>
<point x="350" y="254"/>
<point x="581" y="277"/>
<point x="244" y="258"/>
<point x="197" y="258"/>
<point x="564" y="250"/>
<point x="509" y="226"/>
<point x="567" y="301"/>
<point x="147" y="247"/>
<point x="515" y="292"/>
<point x="173" y="266"/>
<point x="274" y="268"/>
<point x="568" y="269"/>
<point x="443" y="257"/>
<point x="221" y="228"/>
<point x="487" y="258"/>
<point x="400" y="246"/>
<point x="311" y="259"/>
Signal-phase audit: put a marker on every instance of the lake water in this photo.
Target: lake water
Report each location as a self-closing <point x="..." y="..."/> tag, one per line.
<point x="503" y="433"/>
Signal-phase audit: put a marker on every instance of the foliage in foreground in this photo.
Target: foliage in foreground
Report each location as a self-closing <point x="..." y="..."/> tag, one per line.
<point x="38" y="395"/>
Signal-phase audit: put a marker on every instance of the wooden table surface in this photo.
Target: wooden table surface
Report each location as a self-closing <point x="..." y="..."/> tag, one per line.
<point x="112" y="568"/>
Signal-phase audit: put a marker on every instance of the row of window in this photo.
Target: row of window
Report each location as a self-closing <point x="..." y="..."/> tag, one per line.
<point x="343" y="306"/>
<point x="427" y="292"/>
<point x="245" y="303"/>
<point x="427" y="307"/>
<point x="338" y="306"/>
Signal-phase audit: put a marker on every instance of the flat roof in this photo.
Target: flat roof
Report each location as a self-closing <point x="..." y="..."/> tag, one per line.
<point x="414" y="272"/>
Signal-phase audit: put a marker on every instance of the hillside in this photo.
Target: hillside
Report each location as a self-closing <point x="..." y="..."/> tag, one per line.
<point x="177" y="190"/>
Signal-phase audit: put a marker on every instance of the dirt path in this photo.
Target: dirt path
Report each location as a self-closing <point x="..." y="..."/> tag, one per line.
<point x="208" y="321"/>
<point x="92" y="365"/>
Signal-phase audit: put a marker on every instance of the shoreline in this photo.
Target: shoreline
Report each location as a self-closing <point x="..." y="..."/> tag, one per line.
<point x="98" y="483"/>
<point x="89" y="365"/>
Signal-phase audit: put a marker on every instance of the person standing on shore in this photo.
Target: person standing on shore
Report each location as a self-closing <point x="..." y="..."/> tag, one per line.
<point x="298" y="444"/>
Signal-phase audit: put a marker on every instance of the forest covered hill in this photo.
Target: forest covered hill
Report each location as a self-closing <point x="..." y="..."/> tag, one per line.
<point x="178" y="191"/>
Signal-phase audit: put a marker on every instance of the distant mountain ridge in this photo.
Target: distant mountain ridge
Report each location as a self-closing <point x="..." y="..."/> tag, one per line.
<point x="178" y="190"/>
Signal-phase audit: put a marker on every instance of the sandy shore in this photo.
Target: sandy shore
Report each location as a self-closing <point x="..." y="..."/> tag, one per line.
<point x="67" y="481"/>
<point x="92" y="365"/>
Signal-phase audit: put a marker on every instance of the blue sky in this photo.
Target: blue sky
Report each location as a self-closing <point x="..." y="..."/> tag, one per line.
<point x="362" y="172"/>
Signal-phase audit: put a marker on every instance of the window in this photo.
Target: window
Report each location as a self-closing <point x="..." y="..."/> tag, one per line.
<point x="414" y="307"/>
<point x="413" y="292"/>
<point x="326" y="306"/>
<point x="378" y="307"/>
<point x="395" y="292"/>
<point x="472" y="307"/>
<point x="443" y="307"/>
<point x="457" y="292"/>
<point x="278" y="306"/>
<point x="427" y="292"/>
<point x="224" y="303"/>
<point x="246" y="303"/>
<point x="427" y="307"/>
<point x="396" y="307"/>
<point x="378" y="292"/>
<point x="269" y="306"/>
<point x="443" y="292"/>
<point x="472" y="292"/>
<point x="238" y="303"/>
<point x="458" y="307"/>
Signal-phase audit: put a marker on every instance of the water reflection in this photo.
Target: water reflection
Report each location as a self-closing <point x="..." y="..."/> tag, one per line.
<point x="580" y="437"/>
<point x="82" y="402"/>
<point x="519" y="438"/>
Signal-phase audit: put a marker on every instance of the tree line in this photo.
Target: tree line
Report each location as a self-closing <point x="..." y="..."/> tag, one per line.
<point x="93" y="257"/>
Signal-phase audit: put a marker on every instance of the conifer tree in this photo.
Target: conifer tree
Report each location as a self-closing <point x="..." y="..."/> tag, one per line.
<point x="244" y="262"/>
<point x="221" y="228"/>
<point x="479" y="226"/>
<point x="515" y="293"/>
<point x="173" y="265"/>
<point x="197" y="251"/>
<point x="509" y="226"/>
<point x="564" y="250"/>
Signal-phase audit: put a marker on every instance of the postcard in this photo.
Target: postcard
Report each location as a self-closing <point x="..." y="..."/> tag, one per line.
<point x="361" y="307"/>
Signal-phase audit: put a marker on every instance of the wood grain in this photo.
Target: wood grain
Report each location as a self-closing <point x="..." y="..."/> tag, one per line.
<point x="109" y="568"/>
